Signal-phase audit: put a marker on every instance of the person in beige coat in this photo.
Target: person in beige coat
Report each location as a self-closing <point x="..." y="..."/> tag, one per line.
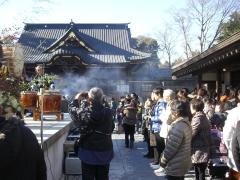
<point x="201" y="140"/>
<point x="176" y="158"/>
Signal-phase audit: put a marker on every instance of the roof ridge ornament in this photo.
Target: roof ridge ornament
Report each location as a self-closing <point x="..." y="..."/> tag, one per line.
<point x="71" y="23"/>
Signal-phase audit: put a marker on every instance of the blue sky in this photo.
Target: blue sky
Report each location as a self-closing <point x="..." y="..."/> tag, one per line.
<point x="146" y="17"/>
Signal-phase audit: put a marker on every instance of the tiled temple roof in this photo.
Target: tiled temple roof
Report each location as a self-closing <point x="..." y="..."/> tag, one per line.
<point x="98" y="43"/>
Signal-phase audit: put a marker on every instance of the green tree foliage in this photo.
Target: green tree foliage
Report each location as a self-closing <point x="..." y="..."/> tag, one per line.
<point x="230" y="27"/>
<point x="146" y="44"/>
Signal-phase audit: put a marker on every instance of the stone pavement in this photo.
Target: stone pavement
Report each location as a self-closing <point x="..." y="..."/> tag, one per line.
<point x="130" y="164"/>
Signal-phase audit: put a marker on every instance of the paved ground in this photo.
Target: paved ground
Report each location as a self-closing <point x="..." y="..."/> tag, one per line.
<point x="130" y="164"/>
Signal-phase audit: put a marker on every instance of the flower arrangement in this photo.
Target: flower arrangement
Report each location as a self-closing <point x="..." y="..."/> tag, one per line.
<point x="43" y="81"/>
<point x="25" y="86"/>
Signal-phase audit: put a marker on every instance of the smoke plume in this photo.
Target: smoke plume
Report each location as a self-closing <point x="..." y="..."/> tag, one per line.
<point x="109" y="79"/>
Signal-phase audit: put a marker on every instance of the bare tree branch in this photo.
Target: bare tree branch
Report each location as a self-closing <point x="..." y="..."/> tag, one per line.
<point x="206" y="13"/>
<point x="167" y="43"/>
<point x="184" y="23"/>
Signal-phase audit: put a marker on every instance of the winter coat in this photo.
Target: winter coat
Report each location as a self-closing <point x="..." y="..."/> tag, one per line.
<point x="100" y="121"/>
<point x="234" y="150"/>
<point x="177" y="153"/>
<point x="166" y="118"/>
<point x="231" y="138"/>
<point x="158" y="115"/>
<point x="130" y="114"/>
<point x="201" y="138"/>
<point x="21" y="157"/>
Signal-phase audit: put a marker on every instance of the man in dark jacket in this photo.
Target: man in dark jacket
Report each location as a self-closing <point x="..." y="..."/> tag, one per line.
<point x="95" y="147"/>
<point x="129" y="121"/>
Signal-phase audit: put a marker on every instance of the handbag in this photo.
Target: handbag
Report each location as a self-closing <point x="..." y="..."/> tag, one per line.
<point x="153" y="141"/>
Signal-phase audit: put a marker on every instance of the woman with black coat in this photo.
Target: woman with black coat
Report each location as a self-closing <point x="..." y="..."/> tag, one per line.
<point x="95" y="145"/>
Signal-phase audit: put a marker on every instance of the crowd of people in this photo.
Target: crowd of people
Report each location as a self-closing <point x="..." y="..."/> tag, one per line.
<point x="184" y="130"/>
<point x="181" y="130"/>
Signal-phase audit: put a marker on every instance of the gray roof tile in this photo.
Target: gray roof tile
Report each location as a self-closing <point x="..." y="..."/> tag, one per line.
<point x="111" y="42"/>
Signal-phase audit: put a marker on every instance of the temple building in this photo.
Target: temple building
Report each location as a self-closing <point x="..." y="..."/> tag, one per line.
<point x="101" y="53"/>
<point x="217" y="67"/>
<point x="77" y="46"/>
